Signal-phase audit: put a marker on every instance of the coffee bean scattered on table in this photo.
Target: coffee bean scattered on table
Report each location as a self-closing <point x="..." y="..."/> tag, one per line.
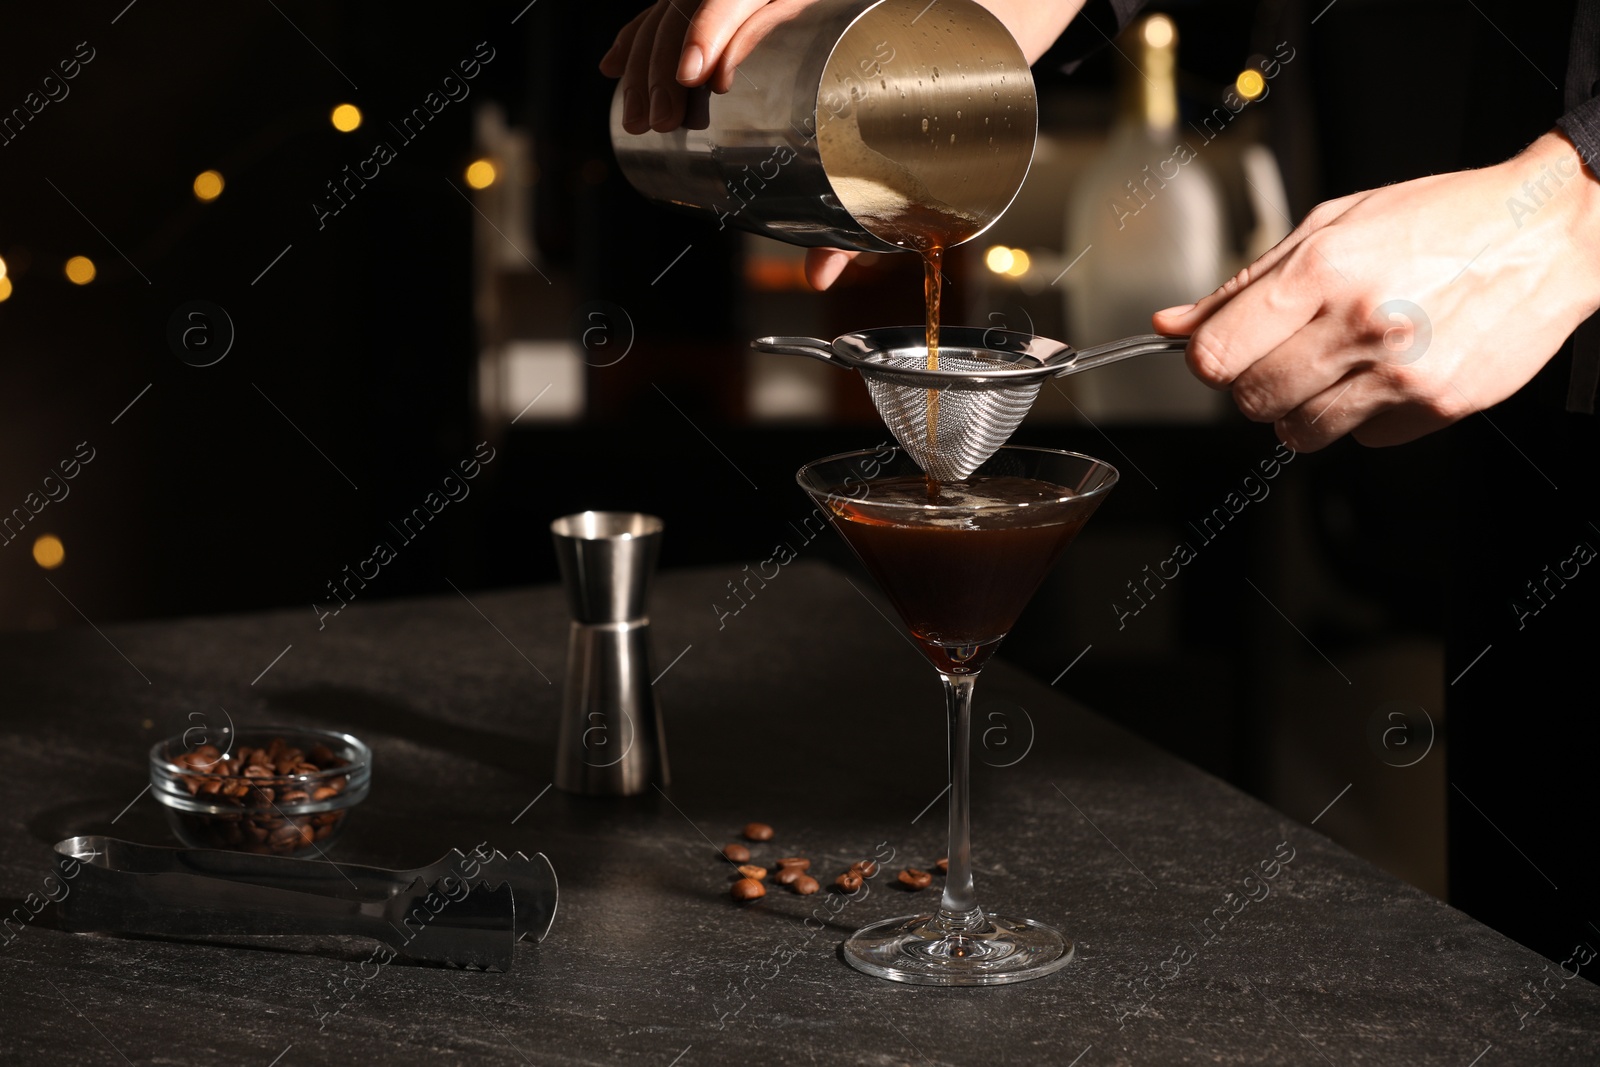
<point x="865" y="868"/>
<point x="849" y="881"/>
<point x="748" y="889"/>
<point x="915" y="879"/>
<point x="758" y="831"/>
<point x="735" y="853"/>
<point x="805" y="885"/>
<point x="752" y="871"/>
<point x="943" y="865"/>
<point x="797" y="862"/>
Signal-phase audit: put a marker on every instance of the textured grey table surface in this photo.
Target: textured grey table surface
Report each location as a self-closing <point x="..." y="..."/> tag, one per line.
<point x="805" y="710"/>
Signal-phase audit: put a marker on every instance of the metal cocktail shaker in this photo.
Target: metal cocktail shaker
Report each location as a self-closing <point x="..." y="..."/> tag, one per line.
<point x="847" y="117"/>
<point x="611" y="740"/>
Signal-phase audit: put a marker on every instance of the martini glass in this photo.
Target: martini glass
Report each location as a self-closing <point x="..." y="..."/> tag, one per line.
<point x="959" y="561"/>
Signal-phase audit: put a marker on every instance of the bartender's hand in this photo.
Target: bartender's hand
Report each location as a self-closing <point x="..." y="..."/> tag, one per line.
<point x="664" y="51"/>
<point x="675" y="45"/>
<point x="1393" y="313"/>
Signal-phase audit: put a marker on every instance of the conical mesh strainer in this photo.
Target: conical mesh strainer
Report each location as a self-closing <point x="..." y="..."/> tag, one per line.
<point x="986" y="383"/>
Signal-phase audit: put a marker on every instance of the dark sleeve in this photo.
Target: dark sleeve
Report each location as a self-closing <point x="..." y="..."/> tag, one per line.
<point x="1582" y="95"/>
<point x="1094" y="27"/>
<point x="1582" y="124"/>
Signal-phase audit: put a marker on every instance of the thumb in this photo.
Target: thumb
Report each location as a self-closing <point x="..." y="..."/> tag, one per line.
<point x="824" y="265"/>
<point x="1188" y="317"/>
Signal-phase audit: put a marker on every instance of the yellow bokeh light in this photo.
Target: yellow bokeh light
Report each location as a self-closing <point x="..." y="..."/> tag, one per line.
<point x="2" y="268"/>
<point x="1159" y="31"/>
<point x="1250" y="84"/>
<point x="208" y="185"/>
<point x="1020" y="262"/>
<point x="5" y="290"/>
<point x="48" y="551"/>
<point x="80" y="270"/>
<point x="999" y="259"/>
<point x="481" y="174"/>
<point x="346" y="117"/>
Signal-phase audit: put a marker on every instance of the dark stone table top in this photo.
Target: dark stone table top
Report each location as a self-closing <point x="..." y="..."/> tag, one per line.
<point x="806" y="710"/>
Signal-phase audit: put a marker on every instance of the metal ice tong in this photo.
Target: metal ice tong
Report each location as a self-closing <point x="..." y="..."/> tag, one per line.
<point x="462" y="911"/>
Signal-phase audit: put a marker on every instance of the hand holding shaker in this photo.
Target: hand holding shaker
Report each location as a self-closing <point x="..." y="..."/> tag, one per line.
<point x="611" y="740"/>
<point x="859" y="124"/>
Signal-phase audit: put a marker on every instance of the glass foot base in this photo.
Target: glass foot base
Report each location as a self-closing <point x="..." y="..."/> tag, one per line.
<point x="920" y="949"/>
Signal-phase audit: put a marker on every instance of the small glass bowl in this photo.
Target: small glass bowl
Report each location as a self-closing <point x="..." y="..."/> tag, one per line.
<point x="282" y="790"/>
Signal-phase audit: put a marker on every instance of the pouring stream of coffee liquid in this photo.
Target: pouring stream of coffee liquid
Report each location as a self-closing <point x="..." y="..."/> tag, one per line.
<point x="898" y="207"/>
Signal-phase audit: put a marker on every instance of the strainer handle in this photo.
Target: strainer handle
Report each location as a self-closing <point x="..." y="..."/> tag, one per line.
<point x="798" y="346"/>
<point x="1126" y="348"/>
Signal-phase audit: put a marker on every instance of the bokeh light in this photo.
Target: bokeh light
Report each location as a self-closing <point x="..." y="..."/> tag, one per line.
<point x="1159" y="31"/>
<point x="208" y="185"/>
<point x="1250" y="84"/>
<point x="80" y="270"/>
<point x="48" y="551"/>
<point x="999" y="259"/>
<point x="346" y="117"/>
<point x="1020" y="262"/>
<point x="5" y="290"/>
<point x="481" y="174"/>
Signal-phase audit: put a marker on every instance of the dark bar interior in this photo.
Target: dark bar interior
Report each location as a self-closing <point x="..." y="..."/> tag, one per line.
<point x="314" y="317"/>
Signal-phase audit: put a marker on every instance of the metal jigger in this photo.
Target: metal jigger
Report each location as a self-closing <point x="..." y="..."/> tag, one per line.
<point x="611" y="740"/>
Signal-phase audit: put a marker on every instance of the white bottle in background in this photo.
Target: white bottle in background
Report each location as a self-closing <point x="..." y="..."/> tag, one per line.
<point x="1151" y="216"/>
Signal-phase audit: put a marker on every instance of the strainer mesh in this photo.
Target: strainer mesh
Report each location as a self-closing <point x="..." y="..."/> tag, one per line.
<point x="971" y="424"/>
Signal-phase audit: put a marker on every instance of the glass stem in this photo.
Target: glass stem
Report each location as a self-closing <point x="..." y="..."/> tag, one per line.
<point x="959" y="910"/>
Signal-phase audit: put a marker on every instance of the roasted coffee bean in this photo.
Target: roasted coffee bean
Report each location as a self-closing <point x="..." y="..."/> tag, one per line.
<point x="943" y="865"/>
<point x="799" y="863"/>
<point x="789" y="875"/>
<point x="748" y="889"/>
<point x="751" y="871"/>
<point x="865" y="868"/>
<point x="915" y="879"/>
<point x="758" y="831"/>
<point x="257" y="779"/>
<point x="805" y="885"/>
<point x="849" y="881"/>
<point x="736" y="853"/>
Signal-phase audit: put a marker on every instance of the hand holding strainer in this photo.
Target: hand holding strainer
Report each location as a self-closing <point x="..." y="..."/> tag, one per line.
<point x="986" y="381"/>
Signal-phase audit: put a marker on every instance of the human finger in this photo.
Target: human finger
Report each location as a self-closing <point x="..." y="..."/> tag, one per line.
<point x="749" y="34"/>
<point x="636" y="75"/>
<point x="714" y="24"/>
<point x="1258" y="316"/>
<point x="1302" y="367"/>
<point x="824" y="265"/>
<point x="666" y="95"/>
<point x="1186" y="318"/>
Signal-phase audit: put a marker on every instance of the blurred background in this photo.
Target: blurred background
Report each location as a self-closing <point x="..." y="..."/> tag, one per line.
<point x="369" y="316"/>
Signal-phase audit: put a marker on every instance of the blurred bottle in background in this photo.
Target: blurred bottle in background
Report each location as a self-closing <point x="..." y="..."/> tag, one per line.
<point x="1149" y="221"/>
